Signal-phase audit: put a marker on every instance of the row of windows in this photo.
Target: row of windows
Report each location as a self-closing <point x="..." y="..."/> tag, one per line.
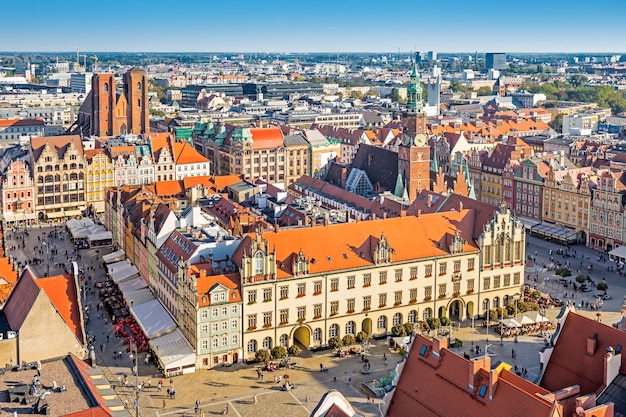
<point x="215" y="327"/>
<point x="234" y="341"/>
<point x="214" y="311"/>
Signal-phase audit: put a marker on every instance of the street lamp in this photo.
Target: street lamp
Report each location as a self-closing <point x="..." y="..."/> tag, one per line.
<point x="516" y="297"/>
<point x="134" y="356"/>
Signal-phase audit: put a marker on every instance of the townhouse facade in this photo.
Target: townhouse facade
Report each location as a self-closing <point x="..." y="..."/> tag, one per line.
<point x="607" y="211"/>
<point x="18" y="193"/>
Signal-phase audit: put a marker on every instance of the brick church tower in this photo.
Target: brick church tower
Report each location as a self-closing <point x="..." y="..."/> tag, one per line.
<point x="106" y="112"/>
<point x="414" y="152"/>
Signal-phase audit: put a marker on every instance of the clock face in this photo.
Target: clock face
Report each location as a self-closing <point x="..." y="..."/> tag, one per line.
<point x="406" y="140"/>
<point x="420" y="139"/>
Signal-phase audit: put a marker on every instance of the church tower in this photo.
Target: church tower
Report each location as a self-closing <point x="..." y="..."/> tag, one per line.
<point x="103" y="99"/>
<point x="136" y="92"/>
<point x="414" y="151"/>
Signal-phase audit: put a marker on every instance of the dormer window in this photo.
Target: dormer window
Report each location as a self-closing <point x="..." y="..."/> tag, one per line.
<point x="382" y="251"/>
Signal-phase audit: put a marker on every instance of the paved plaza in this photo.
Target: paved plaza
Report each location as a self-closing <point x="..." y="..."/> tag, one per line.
<point x="237" y="385"/>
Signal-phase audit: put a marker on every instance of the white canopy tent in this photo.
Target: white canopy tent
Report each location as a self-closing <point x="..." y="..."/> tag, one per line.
<point x="153" y="319"/>
<point x="124" y="274"/>
<point x="619" y="253"/>
<point x="103" y="235"/>
<point x="510" y="323"/>
<point x="132" y="285"/>
<point x="174" y="353"/>
<point x="114" y="257"/>
<point x="524" y="320"/>
<point x="537" y="317"/>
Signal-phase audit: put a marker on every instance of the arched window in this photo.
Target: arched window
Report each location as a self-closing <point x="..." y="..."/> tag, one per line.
<point x="496" y="302"/>
<point x="57" y="178"/>
<point x="267" y="343"/>
<point x="412" y="317"/>
<point x="486" y="304"/>
<point x="350" y="326"/>
<point x="49" y="178"/>
<point x="381" y="323"/>
<point x="505" y="300"/>
<point x="258" y="263"/>
<point x="138" y="86"/>
<point x="105" y="87"/>
<point x="428" y="312"/>
<point x="397" y="318"/>
<point x="252" y="346"/>
<point x="333" y="331"/>
<point x="317" y="334"/>
<point x="284" y="340"/>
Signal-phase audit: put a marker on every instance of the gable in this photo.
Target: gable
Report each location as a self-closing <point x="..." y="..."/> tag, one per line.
<point x="21" y="300"/>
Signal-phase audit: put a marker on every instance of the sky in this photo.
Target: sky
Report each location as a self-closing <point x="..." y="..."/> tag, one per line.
<point x="313" y="26"/>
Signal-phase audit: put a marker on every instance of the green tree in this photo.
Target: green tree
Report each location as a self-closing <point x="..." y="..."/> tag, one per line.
<point x="262" y="355"/>
<point x="294" y="350"/>
<point x="578" y="80"/>
<point x="409" y="327"/>
<point x="602" y="286"/>
<point x="335" y="342"/>
<point x="484" y="91"/>
<point x="348" y="340"/>
<point x="361" y="337"/>
<point x="356" y="94"/>
<point x="445" y="321"/>
<point x="279" y="352"/>
<point x="458" y="87"/>
<point x="433" y="323"/>
<point x="398" y="330"/>
<point x="557" y="123"/>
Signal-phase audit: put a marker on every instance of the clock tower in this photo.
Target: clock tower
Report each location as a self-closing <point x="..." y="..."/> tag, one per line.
<point x="414" y="152"/>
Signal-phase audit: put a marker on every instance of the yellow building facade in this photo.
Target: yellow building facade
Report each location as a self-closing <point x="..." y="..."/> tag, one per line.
<point x="99" y="175"/>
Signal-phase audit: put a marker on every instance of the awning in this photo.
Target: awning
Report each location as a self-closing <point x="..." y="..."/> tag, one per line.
<point x="138" y="297"/>
<point x="73" y="213"/>
<point x="116" y="266"/>
<point x="537" y="317"/>
<point x="618" y="252"/>
<point x="560" y="233"/>
<point x="174" y="352"/>
<point x="114" y="257"/>
<point x="528" y="223"/>
<point x="510" y="323"/>
<point x="98" y="206"/>
<point x="524" y="320"/>
<point x="55" y="214"/>
<point x="9" y="217"/>
<point x="153" y="319"/>
<point x="100" y="236"/>
<point x="124" y="274"/>
<point x="132" y="285"/>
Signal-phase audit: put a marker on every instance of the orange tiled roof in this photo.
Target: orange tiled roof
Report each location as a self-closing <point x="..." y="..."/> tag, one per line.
<point x="184" y="153"/>
<point x="351" y="245"/>
<point x="63" y="294"/>
<point x="267" y="138"/>
<point x="171" y="188"/>
<point x="8" y="278"/>
<point x="206" y="283"/>
<point x="121" y="150"/>
<point x="20" y="122"/>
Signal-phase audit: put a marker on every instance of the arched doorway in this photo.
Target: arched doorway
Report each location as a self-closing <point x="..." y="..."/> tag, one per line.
<point x="469" y="310"/>
<point x="366" y="326"/>
<point x="455" y="311"/>
<point x="441" y="312"/>
<point x="302" y="336"/>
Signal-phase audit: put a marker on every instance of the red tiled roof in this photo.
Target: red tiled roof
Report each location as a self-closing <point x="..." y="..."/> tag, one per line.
<point x="184" y="153"/>
<point x="21" y="299"/>
<point x="569" y="363"/>
<point x="206" y="283"/>
<point x="440" y="386"/>
<point x="20" y="122"/>
<point x="63" y="294"/>
<point x="99" y="410"/>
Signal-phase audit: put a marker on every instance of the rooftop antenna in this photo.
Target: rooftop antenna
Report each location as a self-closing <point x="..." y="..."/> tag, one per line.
<point x="77" y="58"/>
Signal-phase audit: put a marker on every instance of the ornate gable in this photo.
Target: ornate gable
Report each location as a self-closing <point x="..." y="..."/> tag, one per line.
<point x="382" y="251"/>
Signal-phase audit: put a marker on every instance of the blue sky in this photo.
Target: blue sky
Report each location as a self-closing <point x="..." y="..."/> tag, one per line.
<point x="314" y="26"/>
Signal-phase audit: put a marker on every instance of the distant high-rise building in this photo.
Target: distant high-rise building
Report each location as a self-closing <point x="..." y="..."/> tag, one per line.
<point x="496" y="60"/>
<point x="432" y="55"/>
<point x="80" y="82"/>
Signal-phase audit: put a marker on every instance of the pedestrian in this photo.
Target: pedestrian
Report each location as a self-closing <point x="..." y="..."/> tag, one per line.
<point x="197" y="406"/>
<point x="306" y="399"/>
<point x="254" y="399"/>
<point x="163" y="403"/>
<point x="369" y="399"/>
<point x="159" y="387"/>
<point x="384" y="356"/>
<point x="101" y="347"/>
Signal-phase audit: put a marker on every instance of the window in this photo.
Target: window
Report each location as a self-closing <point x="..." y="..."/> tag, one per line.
<point x="252" y="321"/>
<point x="367" y="302"/>
<point x="381" y="323"/>
<point x="258" y="263"/>
<point x="350" y="327"/>
<point x="224" y="325"/>
<point x="317" y="334"/>
<point x="496" y="281"/>
<point x="334" y="284"/>
<point x="398" y="273"/>
<point x="486" y="283"/>
<point x="367" y="280"/>
<point x="507" y="280"/>
<point x="442" y="290"/>
<point x="443" y="266"/>
<point x="234" y="340"/>
<point x="205" y="314"/>
<point x="382" y="277"/>
<point x="267" y="319"/>
<point x="333" y="330"/>
<point x="516" y="278"/>
<point x="252" y="346"/>
<point x="317" y="311"/>
<point x="317" y="287"/>
<point x="214" y="312"/>
<point x="350" y="303"/>
<point x="456" y="289"/>
<point x="334" y="307"/>
<point x="423" y="350"/>
<point x="234" y="324"/>
<point x="252" y="297"/>
<point x="224" y="341"/>
<point x="351" y="281"/>
<point x="267" y="294"/>
<point x="382" y="300"/>
<point x="457" y="266"/>
<point x="413" y="272"/>
<point x="483" y="391"/>
<point x="301" y="290"/>
<point x="284" y="340"/>
<point x="470" y="285"/>
<point x="397" y="297"/>
<point x="233" y="309"/>
<point x="412" y="318"/>
<point x="413" y="294"/>
<point x="214" y="326"/>
<point x="428" y="292"/>
<point x="205" y="328"/>
<point x="215" y="342"/>
<point x="205" y="344"/>
<point x="284" y="316"/>
<point x="267" y="343"/>
<point x="428" y="272"/>
<point x="224" y="311"/>
<point x="397" y="319"/>
<point x="284" y="292"/>
<point x="470" y="264"/>
<point x="301" y="313"/>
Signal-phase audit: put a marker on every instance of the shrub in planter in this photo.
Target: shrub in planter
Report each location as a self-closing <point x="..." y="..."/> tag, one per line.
<point x="398" y="330"/>
<point x="262" y="355"/>
<point x="434" y="323"/>
<point x="348" y="340"/>
<point x="602" y="286"/>
<point x="279" y="352"/>
<point x="294" y="350"/>
<point x="445" y="321"/>
<point x="564" y="272"/>
<point x="361" y="337"/>
<point x="409" y="327"/>
<point x="335" y="342"/>
<point x="582" y="278"/>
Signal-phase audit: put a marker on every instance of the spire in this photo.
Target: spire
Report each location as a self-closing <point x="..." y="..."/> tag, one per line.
<point x="415" y="90"/>
<point x="433" y="164"/>
<point x="399" y="190"/>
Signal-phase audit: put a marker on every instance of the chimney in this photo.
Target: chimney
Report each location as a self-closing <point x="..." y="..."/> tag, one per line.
<point x="430" y="200"/>
<point x="460" y="206"/>
<point x="276" y="227"/>
<point x="419" y="212"/>
<point x="373" y="216"/>
<point x="438" y="344"/>
<point x="592" y="343"/>
<point x="612" y="363"/>
<point x="476" y="364"/>
<point x="384" y="215"/>
<point x="402" y="213"/>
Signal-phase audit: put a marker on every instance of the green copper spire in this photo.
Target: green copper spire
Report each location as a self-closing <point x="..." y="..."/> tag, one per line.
<point x="415" y="90"/>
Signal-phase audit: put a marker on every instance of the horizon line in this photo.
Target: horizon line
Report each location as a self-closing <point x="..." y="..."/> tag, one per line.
<point x="307" y="52"/>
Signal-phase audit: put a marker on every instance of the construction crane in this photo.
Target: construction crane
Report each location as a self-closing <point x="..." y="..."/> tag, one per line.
<point x="95" y="62"/>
